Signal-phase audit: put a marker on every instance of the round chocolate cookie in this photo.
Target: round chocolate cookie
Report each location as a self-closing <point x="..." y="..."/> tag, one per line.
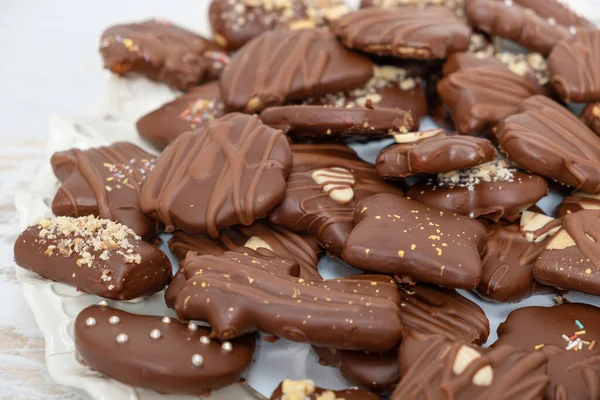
<point x="159" y="353"/>
<point x="231" y="171"/>
<point x="189" y="111"/>
<point x="284" y="66"/>
<point x="427" y="34"/>
<point x="590" y="116"/>
<point x="491" y="190"/>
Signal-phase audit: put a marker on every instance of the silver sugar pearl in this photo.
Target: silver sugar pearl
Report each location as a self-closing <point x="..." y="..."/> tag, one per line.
<point x="114" y="320"/>
<point x="197" y="360"/>
<point x="166" y="320"/>
<point x="192" y="326"/>
<point x="551" y="21"/>
<point x="572" y="30"/>
<point x="508" y="3"/>
<point x="155" y="334"/>
<point x="103" y="303"/>
<point x="90" y="321"/>
<point x="204" y="340"/>
<point x="227" y="346"/>
<point x="122" y="338"/>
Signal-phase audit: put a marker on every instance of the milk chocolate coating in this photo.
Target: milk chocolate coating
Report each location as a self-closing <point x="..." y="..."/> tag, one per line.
<point x="105" y="182"/>
<point x="590" y="116"/>
<point x="578" y="201"/>
<point x="163" y="52"/>
<point x="284" y="66"/>
<point x="455" y="6"/>
<point x="189" y="111"/>
<point x="427" y="34"/>
<point x="558" y="11"/>
<point x="571" y="259"/>
<point x="440" y="153"/>
<point x="434" y="367"/>
<point x="164" y="363"/>
<point x="511" y="21"/>
<point x="394" y="235"/>
<point x="231" y="171"/>
<point x="573" y="374"/>
<point x="108" y="260"/>
<point x="245" y="290"/>
<point x="492" y="200"/>
<point x="348" y="394"/>
<point x="335" y="123"/>
<point x="310" y="208"/>
<point x="507" y="263"/>
<point x="574" y="65"/>
<point x="236" y="22"/>
<point x="544" y="130"/>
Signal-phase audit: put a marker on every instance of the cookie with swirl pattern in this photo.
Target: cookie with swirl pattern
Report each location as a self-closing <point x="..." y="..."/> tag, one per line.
<point x="428" y="34"/>
<point x="105" y="182"/>
<point x="231" y="171"/>
<point x="286" y="66"/>
<point x="326" y="183"/>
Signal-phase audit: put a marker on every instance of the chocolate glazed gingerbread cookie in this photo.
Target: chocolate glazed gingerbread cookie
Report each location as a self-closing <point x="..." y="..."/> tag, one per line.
<point x="326" y="183"/>
<point x="159" y="353"/>
<point x="231" y="171"/>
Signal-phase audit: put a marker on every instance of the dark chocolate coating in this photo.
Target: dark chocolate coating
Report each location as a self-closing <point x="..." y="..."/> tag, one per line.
<point x="189" y="111"/>
<point x="282" y="66"/>
<point x="440" y="153"/>
<point x="164" y="363"/>
<point x="163" y="52"/>
<point x="492" y="200"/>
<point x="429" y="365"/>
<point x="558" y="11"/>
<point x="427" y="34"/>
<point x="507" y="263"/>
<point x="244" y="290"/>
<point x="394" y="235"/>
<point x="348" y="394"/>
<point x="511" y="21"/>
<point x="544" y="130"/>
<point x="578" y="201"/>
<point x="573" y="374"/>
<point x="105" y="182"/>
<point x="231" y="171"/>
<point x="324" y="123"/>
<point x="590" y="116"/>
<point x="571" y="259"/>
<point x="574" y="64"/>
<point x="309" y="208"/>
<point x="96" y="256"/>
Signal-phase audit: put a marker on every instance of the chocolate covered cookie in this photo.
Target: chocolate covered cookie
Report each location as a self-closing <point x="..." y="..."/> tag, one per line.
<point x="326" y="183"/>
<point x="427" y="34"/>
<point x="231" y="171"/>
<point x="556" y="12"/>
<point x="189" y="111"/>
<point x="568" y="335"/>
<point x="235" y="22"/>
<point x="163" y="52"/>
<point x="434" y="367"/>
<point x="492" y="190"/>
<point x="573" y="66"/>
<point x="590" y="116"/>
<point x="285" y="66"/>
<point x="244" y="290"/>
<point x="544" y="130"/>
<point x="97" y="256"/>
<point x="306" y="390"/>
<point x="578" y="201"/>
<point x="509" y="20"/>
<point x="394" y="235"/>
<point x="105" y="182"/>
<point x="432" y="152"/>
<point x="456" y="6"/>
<point x="158" y="353"/>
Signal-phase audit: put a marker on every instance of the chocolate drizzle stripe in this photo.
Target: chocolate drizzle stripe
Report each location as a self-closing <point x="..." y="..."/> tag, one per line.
<point x="94" y="179"/>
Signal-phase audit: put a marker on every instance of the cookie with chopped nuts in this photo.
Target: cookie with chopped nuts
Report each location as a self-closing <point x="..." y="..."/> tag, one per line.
<point x="162" y="52"/>
<point x="326" y="183"/>
<point x="434" y="367"/>
<point x="97" y="256"/>
<point x="159" y="353"/>
<point x="189" y="111"/>
<point x="590" y="116"/>
<point x="307" y="390"/>
<point x="105" y="182"/>
<point x="426" y="34"/>
<point x="418" y="243"/>
<point x="236" y="22"/>
<point x="432" y="152"/>
<point x="245" y="290"/>
<point x="492" y="191"/>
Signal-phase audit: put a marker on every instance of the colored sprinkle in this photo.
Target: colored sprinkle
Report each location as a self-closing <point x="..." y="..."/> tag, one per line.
<point x="580" y="332"/>
<point x="539" y="346"/>
<point x="585" y="342"/>
<point x="573" y="337"/>
<point x="571" y="345"/>
<point x="565" y="337"/>
<point x="579" y="324"/>
<point x="592" y="345"/>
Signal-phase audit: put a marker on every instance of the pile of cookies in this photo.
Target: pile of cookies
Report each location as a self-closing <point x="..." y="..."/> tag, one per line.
<point x="255" y="182"/>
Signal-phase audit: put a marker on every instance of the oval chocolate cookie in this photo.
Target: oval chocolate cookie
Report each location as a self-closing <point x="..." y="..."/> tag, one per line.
<point x="455" y="6"/>
<point x="158" y="353"/>
<point x="231" y="171"/>
<point x="95" y="255"/>
<point x="283" y="66"/>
